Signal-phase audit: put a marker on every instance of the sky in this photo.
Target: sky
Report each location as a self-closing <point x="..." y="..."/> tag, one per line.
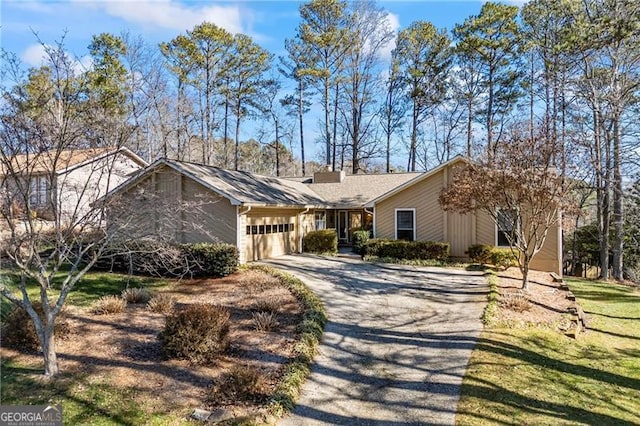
<point x="268" y="22"/>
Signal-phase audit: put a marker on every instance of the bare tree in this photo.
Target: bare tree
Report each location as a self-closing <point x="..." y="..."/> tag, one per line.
<point x="518" y="187"/>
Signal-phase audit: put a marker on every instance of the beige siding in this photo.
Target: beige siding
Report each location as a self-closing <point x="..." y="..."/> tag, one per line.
<point x="169" y="205"/>
<point x="206" y="215"/>
<point x="422" y="196"/>
<point x="461" y="231"/>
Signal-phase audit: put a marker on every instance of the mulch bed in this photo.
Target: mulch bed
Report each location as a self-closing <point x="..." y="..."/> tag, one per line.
<point x="123" y="349"/>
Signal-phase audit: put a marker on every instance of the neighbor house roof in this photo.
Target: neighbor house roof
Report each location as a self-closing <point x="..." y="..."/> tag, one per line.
<point x="65" y="160"/>
<point x="240" y="188"/>
<point x="358" y="190"/>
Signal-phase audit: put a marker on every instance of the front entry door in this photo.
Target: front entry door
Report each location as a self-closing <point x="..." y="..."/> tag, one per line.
<point x="343" y="227"/>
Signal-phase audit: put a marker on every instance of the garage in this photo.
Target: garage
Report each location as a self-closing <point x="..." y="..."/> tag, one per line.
<point x="270" y="233"/>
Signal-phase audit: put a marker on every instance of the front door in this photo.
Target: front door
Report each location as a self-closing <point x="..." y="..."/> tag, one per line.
<point x="343" y="227"/>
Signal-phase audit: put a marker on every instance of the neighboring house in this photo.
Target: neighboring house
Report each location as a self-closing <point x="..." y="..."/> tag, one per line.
<point x="267" y="217"/>
<point x="65" y="182"/>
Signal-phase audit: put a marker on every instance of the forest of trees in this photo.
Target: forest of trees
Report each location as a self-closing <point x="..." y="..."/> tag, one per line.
<point x="568" y="69"/>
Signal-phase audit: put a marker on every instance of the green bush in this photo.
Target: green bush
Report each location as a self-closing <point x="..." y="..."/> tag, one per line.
<point x="159" y="258"/>
<point x="480" y="253"/>
<point x="496" y="256"/>
<point x="360" y="238"/>
<point x="18" y="331"/>
<point x="197" y="333"/>
<point x="214" y="260"/>
<point x="409" y="250"/>
<point x="503" y="258"/>
<point x="321" y="241"/>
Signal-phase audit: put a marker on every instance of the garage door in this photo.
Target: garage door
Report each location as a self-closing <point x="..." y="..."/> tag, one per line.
<point x="269" y="234"/>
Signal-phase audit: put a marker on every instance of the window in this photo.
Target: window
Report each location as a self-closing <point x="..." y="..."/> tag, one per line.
<point x="254" y="229"/>
<point x="260" y="229"/>
<point x="321" y="219"/>
<point x="268" y="229"/>
<point x="248" y="229"/>
<point x="406" y="224"/>
<point x="281" y="228"/>
<point x="38" y="191"/>
<point x="505" y="226"/>
<point x="291" y="227"/>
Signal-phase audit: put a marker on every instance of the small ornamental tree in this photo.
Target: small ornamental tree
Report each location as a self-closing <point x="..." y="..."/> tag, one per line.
<point x="519" y="179"/>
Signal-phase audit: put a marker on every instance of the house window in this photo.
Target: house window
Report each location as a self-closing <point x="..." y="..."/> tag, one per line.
<point x="321" y="219"/>
<point x="248" y="229"/>
<point x="505" y="227"/>
<point x="268" y="229"/>
<point x="281" y="228"/>
<point x="38" y="191"/>
<point x="406" y="224"/>
<point x="260" y="229"/>
<point x="254" y="229"/>
<point x="291" y="227"/>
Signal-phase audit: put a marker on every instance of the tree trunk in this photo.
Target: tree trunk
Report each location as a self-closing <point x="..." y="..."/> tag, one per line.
<point x="48" y="342"/>
<point x="414" y="138"/>
<point x="327" y="130"/>
<point x="469" y="125"/>
<point x="236" y="154"/>
<point x="300" y="113"/>
<point x="525" y="272"/>
<point x="277" y="149"/>
<point x="618" y="221"/>
<point x="226" y="132"/>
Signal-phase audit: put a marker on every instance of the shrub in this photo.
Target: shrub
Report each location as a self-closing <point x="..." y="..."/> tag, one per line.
<point x="503" y="258"/>
<point x="360" y="239"/>
<point x="18" y="331"/>
<point x="242" y="383"/>
<point x="161" y="303"/>
<point x="264" y="321"/>
<point x="409" y="250"/>
<point x="496" y="256"/>
<point x="160" y="258"/>
<point x="214" y="260"/>
<point x="136" y="295"/>
<point x="321" y="241"/>
<point x="269" y="303"/>
<point x="516" y="302"/>
<point x="197" y="333"/>
<point x="110" y="305"/>
<point x="480" y="253"/>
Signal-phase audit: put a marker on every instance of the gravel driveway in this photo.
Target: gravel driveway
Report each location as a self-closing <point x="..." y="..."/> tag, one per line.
<point x="397" y="342"/>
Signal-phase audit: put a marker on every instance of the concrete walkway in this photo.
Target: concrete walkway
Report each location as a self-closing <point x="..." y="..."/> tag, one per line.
<point x="397" y="342"/>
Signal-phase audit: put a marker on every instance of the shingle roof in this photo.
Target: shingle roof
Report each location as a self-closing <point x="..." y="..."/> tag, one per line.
<point x="58" y="161"/>
<point x="248" y="188"/>
<point x="357" y="190"/>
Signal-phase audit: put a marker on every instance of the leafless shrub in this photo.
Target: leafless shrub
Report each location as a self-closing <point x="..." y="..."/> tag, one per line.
<point x="258" y="280"/>
<point x="267" y="303"/>
<point x="242" y="383"/>
<point x="110" y="305"/>
<point x="161" y="303"/>
<point x="264" y="321"/>
<point x="136" y="295"/>
<point x="517" y="302"/>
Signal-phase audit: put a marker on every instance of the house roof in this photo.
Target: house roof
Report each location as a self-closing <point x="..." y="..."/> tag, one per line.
<point x="65" y="160"/>
<point x="417" y="178"/>
<point x="358" y="190"/>
<point x="240" y="188"/>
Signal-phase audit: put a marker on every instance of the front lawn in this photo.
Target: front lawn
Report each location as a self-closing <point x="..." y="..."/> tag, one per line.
<point x="536" y="375"/>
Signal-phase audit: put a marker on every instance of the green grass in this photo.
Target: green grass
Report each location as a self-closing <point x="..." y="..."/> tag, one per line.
<point x="539" y="376"/>
<point x="91" y="287"/>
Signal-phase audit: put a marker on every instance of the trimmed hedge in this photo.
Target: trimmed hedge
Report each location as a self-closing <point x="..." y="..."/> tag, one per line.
<point x="409" y="250"/>
<point x="360" y="239"/>
<point x="321" y="241"/>
<point x="158" y="258"/>
<point x="496" y="256"/>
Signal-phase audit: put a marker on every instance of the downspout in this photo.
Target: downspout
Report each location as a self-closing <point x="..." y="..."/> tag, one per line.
<point x="241" y="234"/>
<point x="300" y="236"/>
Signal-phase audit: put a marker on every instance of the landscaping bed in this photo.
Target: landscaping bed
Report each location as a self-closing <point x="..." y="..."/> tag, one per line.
<point x="114" y="371"/>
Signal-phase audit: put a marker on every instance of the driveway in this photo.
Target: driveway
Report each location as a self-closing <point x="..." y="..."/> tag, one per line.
<point x="396" y="345"/>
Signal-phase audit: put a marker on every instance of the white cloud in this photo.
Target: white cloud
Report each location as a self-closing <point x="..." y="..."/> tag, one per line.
<point x="170" y="14"/>
<point x="34" y="55"/>
<point x="393" y="21"/>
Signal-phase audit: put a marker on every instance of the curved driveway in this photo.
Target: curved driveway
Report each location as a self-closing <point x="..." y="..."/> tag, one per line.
<point x="396" y="345"/>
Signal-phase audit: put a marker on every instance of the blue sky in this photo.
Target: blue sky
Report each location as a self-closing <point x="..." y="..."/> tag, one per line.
<point x="268" y="22"/>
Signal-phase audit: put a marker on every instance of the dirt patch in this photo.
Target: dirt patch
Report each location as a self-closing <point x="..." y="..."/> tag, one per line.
<point x="123" y="350"/>
<point x="546" y="304"/>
